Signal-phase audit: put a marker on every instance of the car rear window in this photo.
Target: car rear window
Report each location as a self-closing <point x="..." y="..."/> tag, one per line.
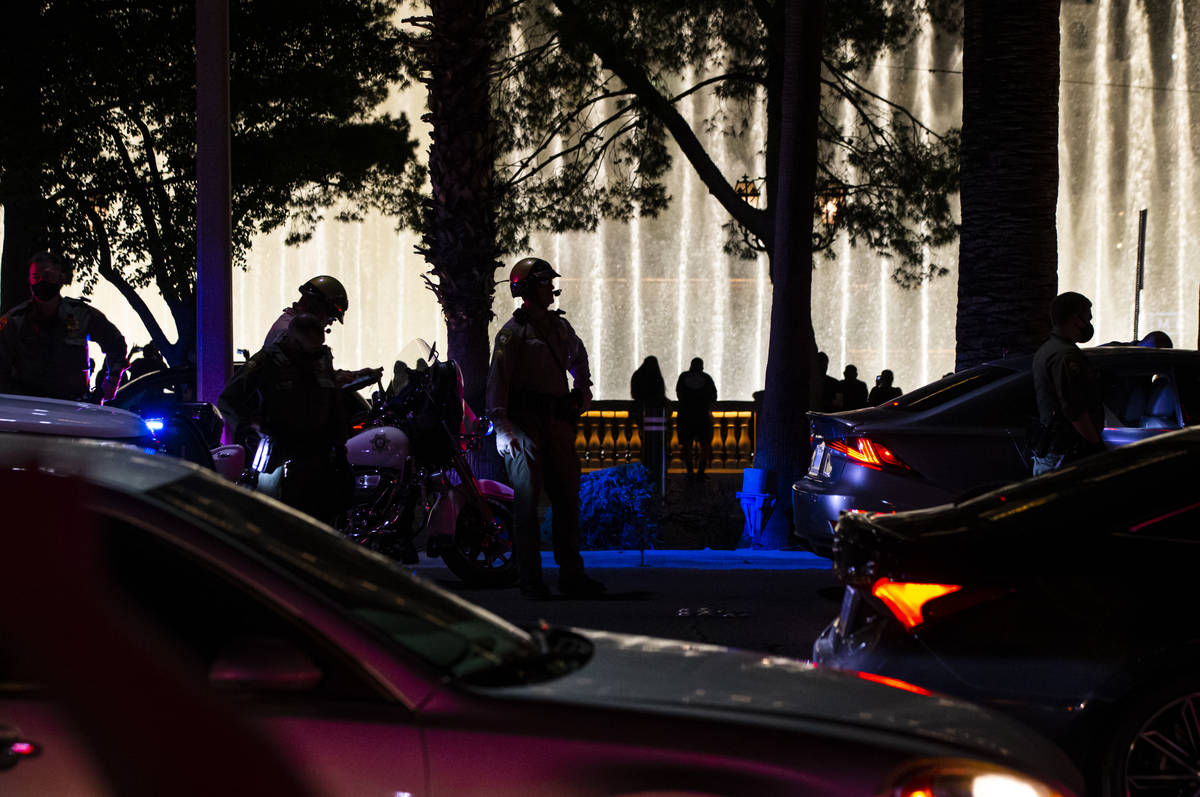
<point x="949" y="388"/>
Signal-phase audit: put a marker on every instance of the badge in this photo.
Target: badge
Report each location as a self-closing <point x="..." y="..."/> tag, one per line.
<point x="379" y="442"/>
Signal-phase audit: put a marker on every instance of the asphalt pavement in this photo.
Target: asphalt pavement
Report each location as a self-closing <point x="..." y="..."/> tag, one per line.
<point x="775" y="602"/>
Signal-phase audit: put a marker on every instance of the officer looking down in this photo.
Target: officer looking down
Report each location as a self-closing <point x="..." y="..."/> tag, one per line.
<point x="324" y="298"/>
<point x="535" y="411"/>
<point x="286" y="393"/>
<point x="44" y="340"/>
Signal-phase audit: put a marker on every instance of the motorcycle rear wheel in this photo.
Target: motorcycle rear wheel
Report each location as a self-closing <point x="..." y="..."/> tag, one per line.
<point x="479" y="557"/>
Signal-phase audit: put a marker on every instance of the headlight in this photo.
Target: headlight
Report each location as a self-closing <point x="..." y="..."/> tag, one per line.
<point x="959" y="778"/>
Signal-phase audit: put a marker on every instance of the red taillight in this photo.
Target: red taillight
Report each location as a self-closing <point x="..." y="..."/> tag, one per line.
<point x="895" y="683"/>
<point x="907" y="599"/>
<point x="866" y="452"/>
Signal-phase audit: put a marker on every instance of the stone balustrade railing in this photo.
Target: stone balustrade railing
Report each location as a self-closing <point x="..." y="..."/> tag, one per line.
<point x="608" y="434"/>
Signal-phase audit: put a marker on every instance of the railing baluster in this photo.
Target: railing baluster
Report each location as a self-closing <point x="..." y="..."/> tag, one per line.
<point x="609" y="434"/>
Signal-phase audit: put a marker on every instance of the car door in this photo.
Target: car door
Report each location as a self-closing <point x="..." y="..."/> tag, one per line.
<point x="340" y="729"/>
<point x="60" y="761"/>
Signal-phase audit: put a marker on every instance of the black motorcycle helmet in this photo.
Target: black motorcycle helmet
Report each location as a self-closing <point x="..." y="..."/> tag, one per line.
<point x="327" y="292"/>
<point x="528" y="272"/>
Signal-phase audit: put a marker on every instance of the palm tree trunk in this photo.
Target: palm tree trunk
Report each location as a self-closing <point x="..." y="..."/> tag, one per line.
<point x="782" y="444"/>
<point x="26" y="219"/>
<point x="459" y="240"/>
<point x="1008" y="251"/>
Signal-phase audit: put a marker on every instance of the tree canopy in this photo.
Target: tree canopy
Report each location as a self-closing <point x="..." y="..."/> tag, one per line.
<point x="116" y="149"/>
<point x="585" y="84"/>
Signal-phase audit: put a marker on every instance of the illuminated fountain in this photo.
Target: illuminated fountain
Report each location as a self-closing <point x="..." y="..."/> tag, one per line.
<point x="664" y="286"/>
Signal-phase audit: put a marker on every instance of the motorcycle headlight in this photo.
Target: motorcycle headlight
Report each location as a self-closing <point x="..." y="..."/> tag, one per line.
<point x="968" y="779"/>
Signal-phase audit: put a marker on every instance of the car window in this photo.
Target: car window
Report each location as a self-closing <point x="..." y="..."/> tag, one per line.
<point x="203" y="614"/>
<point x="451" y="635"/>
<point x="1140" y="398"/>
<point x="935" y="394"/>
<point x="1187" y="377"/>
<point x="1009" y="402"/>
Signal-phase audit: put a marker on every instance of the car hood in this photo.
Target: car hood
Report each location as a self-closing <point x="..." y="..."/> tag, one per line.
<point x="68" y="419"/>
<point x="649" y="672"/>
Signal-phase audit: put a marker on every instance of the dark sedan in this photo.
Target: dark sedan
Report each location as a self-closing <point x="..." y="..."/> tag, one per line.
<point x="967" y="433"/>
<point x="1063" y="600"/>
<point x="370" y="681"/>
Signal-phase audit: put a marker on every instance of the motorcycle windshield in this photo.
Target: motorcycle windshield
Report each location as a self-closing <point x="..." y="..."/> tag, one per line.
<point x="415" y="356"/>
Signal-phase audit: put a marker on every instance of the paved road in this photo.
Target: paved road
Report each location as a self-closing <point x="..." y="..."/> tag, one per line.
<point x="776" y="604"/>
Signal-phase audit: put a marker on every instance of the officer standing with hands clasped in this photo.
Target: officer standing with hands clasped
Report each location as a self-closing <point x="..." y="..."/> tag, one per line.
<point x="535" y="412"/>
<point x="44" y="340"/>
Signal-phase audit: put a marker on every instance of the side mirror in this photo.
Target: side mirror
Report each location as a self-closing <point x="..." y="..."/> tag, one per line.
<point x="263" y="664"/>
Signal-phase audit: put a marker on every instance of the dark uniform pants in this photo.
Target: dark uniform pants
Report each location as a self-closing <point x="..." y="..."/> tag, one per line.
<point x="546" y="460"/>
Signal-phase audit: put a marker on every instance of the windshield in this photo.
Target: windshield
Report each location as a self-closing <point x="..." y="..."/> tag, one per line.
<point x="453" y="636"/>
<point x="416" y="356"/>
<point x="949" y="388"/>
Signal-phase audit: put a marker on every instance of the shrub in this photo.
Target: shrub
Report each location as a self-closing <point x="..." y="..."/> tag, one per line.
<point x="617" y="509"/>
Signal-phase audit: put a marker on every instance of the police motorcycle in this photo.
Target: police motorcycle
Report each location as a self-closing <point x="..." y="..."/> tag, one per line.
<point x="183" y="427"/>
<point x="407" y="456"/>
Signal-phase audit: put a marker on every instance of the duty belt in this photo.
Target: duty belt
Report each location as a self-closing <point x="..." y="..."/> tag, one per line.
<point x="529" y="402"/>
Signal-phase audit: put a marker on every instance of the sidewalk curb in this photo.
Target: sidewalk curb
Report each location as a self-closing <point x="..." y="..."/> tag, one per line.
<point x="706" y="559"/>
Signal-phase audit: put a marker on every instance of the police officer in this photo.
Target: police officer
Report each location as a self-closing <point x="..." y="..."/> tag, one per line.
<point x="286" y="391"/>
<point x="44" y="340"/>
<point x="323" y="297"/>
<point x="1068" y="392"/>
<point x="535" y="411"/>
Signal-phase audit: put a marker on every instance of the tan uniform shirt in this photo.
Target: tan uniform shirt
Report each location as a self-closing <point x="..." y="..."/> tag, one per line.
<point x="535" y="358"/>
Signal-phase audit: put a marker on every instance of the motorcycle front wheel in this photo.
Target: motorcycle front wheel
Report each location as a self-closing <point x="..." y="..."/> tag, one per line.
<point x="480" y="556"/>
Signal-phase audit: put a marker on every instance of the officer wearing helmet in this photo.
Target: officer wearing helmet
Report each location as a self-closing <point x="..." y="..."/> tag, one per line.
<point x="324" y="298"/>
<point x="535" y="411"/>
<point x="287" y="392"/>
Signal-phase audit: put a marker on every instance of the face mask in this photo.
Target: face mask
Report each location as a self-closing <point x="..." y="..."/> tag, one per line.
<point x="45" y="291"/>
<point x="1086" y="332"/>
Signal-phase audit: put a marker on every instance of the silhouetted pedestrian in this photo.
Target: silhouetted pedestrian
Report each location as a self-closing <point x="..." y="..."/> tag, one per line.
<point x="649" y="393"/>
<point x="830" y="387"/>
<point x="696" y="394"/>
<point x="884" y="391"/>
<point x="854" y="390"/>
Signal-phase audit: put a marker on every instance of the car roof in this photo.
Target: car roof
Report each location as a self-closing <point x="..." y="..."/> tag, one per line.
<point x="44" y="416"/>
<point x="1109" y="353"/>
<point x="119" y="466"/>
<point x="1018" y="497"/>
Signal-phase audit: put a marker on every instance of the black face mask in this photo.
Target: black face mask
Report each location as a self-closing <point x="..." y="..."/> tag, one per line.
<point x="45" y="290"/>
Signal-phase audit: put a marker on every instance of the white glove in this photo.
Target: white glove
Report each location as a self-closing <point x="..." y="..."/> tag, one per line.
<point x="506" y="442"/>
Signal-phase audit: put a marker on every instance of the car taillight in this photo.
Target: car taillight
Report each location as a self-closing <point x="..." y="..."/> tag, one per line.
<point x="866" y="452"/>
<point x="895" y="683"/>
<point x="907" y="599"/>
